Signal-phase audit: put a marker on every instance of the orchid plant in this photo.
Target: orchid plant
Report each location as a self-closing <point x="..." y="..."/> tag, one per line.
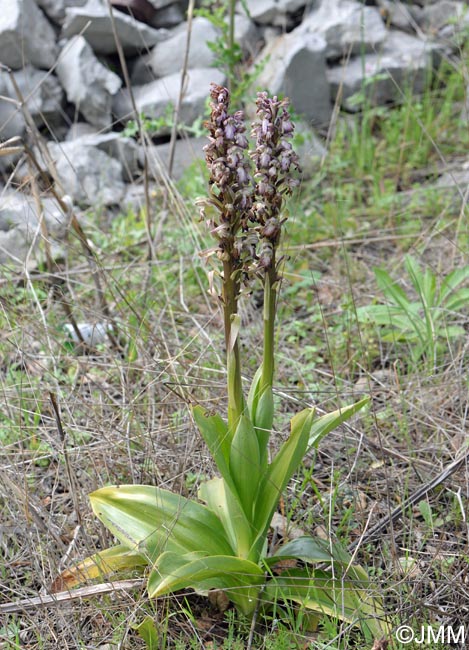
<point x="221" y="540"/>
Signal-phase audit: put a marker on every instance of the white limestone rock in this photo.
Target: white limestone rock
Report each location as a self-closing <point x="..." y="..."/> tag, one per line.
<point x="115" y="145"/>
<point x="153" y="99"/>
<point x="403" y="63"/>
<point x="161" y="4"/>
<point x="43" y="96"/>
<point x="26" y="36"/>
<point x="170" y="16"/>
<point x="87" y="82"/>
<point x="400" y="15"/>
<point x="446" y="18"/>
<point x="347" y="26"/>
<point x="296" y="67"/>
<point x="271" y="12"/>
<point x="20" y="229"/>
<point x="55" y="9"/>
<point x="167" y="58"/>
<point x="79" y="129"/>
<point x="187" y="151"/>
<point x="90" y="176"/>
<point x="93" y="21"/>
<point x="309" y="148"/>
<point x="247" y="35"/>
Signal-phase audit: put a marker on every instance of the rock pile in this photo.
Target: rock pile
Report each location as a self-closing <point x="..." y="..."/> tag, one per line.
<point x="66" y="59"/>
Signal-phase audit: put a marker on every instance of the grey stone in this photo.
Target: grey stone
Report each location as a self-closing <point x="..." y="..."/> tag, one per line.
<point x="89" y="175"/>
<point x="449" y="15"/>
<point x="115" y="145"/>
<point x="400" y="15"/>
<point x="154" y="98"/>
<point x="94" y="22"/>
<point x="20" y="229"/>
<point x="87" y="82"/>
<point x="161" y="4"/>
<point x="455" y="184"/>
<point x="168" y="17"/>
<point x="167" y="58"/>
<point x="296" y="67"/>
<point x="271" y="12"/>
<point x="26" y="36"/>
<point x="403" y="63"/>
<point x="270" y="33"/>
<point x="309" y="148"/>
<point x="247" y="35"/>
<point x="79" y="129"/>
<point x="347" y="26"/>
<point x="42" y="94"/>
<point x="187" y="151"/>
<point x="55" y="9"/>
<point x="18" y="210"/>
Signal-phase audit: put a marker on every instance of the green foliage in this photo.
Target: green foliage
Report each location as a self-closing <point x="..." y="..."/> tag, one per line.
<point x="228" y="53"/>
<point x="164" y="123"/>
<point x="425" y="322"/>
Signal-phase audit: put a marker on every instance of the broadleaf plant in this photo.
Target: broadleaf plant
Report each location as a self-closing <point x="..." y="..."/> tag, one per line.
<point x="221" y="541"/>
<point x="425" y="321"/>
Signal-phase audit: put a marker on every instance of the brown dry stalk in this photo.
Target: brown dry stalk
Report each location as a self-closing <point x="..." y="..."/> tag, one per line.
<point x="66" y="596"/>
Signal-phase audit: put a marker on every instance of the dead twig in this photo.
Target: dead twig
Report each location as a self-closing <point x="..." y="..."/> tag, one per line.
<point x="67" y="596"/>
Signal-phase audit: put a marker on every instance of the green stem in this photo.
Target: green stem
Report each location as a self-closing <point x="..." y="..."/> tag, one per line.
<point x="270" y="309"/>
<point x="230" y="315"/>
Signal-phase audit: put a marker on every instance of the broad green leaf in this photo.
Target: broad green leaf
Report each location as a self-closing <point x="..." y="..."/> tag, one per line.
<point x="151" y="520"/>
<point x="456" y="301"/>
<point x="254" y="390"/>
<point x="245" y="464"/>
<point x="391" y="289"/>
<point x="240" y="578"/>
<point x="307" y="549"/>
<point x="148" y="631"/>
<point x="395" y="293"/>
<point x="236" y="403"/>
<point x="101" y="565"/>
<point x="388" y="316"/>
<point x="330" y="595"/>
<point x="214" y="431"/>
<point x="326" y="423"/>
<point x="450" y="282"/>
<point x="261" y="410"/>
<point x="452" y="331"/>
<point x="228" y="509"/>
<point x="278" y="474"/>
<point x="263" y="422"/>
<point x="424" y="283"/>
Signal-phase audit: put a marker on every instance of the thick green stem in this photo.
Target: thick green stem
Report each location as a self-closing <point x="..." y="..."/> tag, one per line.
<point x="270" y="309"/>
<point x="230" y="315"/>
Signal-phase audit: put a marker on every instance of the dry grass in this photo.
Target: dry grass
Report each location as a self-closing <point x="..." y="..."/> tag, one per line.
<point x="123" y="410"/>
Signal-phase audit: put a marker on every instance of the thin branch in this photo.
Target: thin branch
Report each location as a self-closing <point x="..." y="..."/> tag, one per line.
<point x="67" y="596"/>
